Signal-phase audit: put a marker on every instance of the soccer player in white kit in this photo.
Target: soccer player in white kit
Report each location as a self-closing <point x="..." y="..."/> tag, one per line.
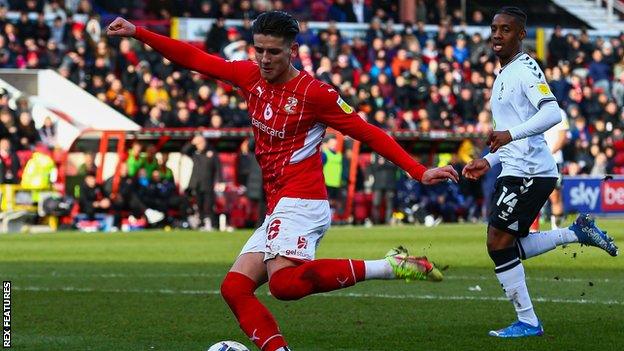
<point x="523" y="108"/>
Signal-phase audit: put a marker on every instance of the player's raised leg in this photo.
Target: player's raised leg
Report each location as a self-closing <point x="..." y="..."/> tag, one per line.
<point x="295" y="229"/>
<point x="589" y="234"/>
<point x="291" y="279"/>
<point x="584" y="231"/>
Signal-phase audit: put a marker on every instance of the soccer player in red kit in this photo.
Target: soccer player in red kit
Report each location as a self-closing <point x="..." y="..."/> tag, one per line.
<point x="289" y="112"/>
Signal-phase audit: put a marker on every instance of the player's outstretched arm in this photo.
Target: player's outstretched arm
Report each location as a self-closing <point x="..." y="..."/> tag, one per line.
<point x="334" y="112"/>
<point x="120" y="27"/>
<point x="475" y="169"/>
<point x="439" y="174"/>
<point x="179" y="52"/>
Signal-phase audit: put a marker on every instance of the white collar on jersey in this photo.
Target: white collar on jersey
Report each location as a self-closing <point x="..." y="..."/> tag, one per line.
<point x="512" y="60"/>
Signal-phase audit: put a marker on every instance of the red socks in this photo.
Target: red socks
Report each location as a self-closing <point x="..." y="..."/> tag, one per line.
<point x="289" y="283"/>
<point x="254" y="319"/>
<point x="293" y="283"/>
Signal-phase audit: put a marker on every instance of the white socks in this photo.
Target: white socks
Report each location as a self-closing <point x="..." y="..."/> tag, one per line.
<point x="514" y="285"/>
<point x="537" y="243"/>
<point x="378" y="269"/>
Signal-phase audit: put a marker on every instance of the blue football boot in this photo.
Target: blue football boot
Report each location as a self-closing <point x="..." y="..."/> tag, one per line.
<point x="589" y="234"/>
<point x="518" y="330"/>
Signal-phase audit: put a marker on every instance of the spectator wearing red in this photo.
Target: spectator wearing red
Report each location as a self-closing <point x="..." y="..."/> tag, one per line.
<point x="127" y="54"/>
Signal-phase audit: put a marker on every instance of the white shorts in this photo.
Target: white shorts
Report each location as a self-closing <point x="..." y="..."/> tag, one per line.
<point x="294" y="229"/>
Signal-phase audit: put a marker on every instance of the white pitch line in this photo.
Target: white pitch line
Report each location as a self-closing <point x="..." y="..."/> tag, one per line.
<point x="219" y="275"/>
<point x="539" y="279"/>
<point x="335" y="294"/>
<point x="114" y="275"/>
<point x="117" y="291"/>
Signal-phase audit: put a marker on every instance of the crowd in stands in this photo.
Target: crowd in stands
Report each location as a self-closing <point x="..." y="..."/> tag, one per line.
<point x="408" y="79"/>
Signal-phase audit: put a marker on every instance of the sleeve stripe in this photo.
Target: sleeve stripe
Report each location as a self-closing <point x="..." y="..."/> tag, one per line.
<point x="548" y="99"/>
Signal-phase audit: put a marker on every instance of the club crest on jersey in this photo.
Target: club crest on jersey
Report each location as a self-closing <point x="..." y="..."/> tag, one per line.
<point x="273" y="229"/>
<point x="302" y="243"/>
<point x="291" y="104"/>
<point x="268" y="112"/>
<point x="344" y="106"/>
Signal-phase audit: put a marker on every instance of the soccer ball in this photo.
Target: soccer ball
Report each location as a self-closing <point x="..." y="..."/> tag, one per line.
<point x="228" y="346"/>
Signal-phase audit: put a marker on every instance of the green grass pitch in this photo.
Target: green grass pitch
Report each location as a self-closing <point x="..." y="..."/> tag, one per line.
<point x="159" y="291"/>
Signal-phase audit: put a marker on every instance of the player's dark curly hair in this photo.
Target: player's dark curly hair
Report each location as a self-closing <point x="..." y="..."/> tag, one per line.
<point x="514" y="12"/>
<point x="278" y="24"/>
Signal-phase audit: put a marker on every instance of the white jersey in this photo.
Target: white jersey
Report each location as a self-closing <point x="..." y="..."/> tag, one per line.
<point x="552" y="135"/>
<point x="519" y="90"/>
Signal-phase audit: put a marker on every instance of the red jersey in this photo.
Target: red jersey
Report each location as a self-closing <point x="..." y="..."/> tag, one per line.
<point x="288" y="120"/>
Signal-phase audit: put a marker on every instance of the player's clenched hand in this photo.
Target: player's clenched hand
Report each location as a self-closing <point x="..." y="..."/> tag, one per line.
<point x="121" y="28"/>
<point x="440" y="174"/>
<point x="476" y="168"/>
<point x="498" y="139"/>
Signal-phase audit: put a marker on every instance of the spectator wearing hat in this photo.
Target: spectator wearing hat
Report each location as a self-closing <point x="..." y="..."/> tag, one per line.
<point x="235" y="48"/>
<point x="76" y="36"/>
